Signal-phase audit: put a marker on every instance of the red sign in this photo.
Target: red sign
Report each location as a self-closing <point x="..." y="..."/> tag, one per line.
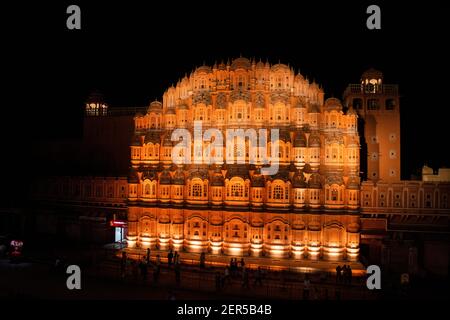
<point x="118" y="223"/>
<point x="16" y="248"/>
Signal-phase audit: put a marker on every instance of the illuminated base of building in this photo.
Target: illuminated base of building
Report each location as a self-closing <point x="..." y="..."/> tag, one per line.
<point x="249" y="249"/>
<point x="310" y="235"/>
<point x="236" y="248"/>
<point x="197" y="245"/>
<point x="333" y="253"/>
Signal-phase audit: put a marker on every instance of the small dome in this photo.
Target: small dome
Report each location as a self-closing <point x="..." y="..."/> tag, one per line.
<point x="307" y="168"/>
<point x="282" y="174"/>
<point x="280" y="67"/>
<point x="333" y="104"/>
<point x="222" y="66"/>
<point x="260" y="65"/>
<point x="241" y="63"/>
<point x="150" y="175"/>
<point x="178" y="177"/>
<point x="314" y="181"/>
<point x="298" y="181"/>
<point x="203" y="69"/>
<point x="217" y="180"/>
<point x="314" y="140"/>
<point x="258" y="181"/>
<point x="95" y="97"/>
<point x="292" y="167"/>
<point x="165" y="177"/>
<point x="155" y="106"/>
<point x="237" y="171"/>
<point x="170" y="111"/>
<point x="372" y="74"/>
<point x="196" y="173"/>
<point x="300" y="140"/>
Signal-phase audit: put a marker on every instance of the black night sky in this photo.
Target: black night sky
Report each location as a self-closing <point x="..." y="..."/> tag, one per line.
<point x="131" y="52"/>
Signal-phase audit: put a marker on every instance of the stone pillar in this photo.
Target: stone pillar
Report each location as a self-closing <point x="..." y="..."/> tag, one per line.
<point x="132" y="227"/>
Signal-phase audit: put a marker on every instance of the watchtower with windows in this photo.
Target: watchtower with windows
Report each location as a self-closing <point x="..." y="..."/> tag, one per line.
<point x="377" y="105"/>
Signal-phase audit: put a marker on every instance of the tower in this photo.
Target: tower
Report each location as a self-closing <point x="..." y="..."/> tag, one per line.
<point x="377" y="105"/>
<point x="95" y="105"/>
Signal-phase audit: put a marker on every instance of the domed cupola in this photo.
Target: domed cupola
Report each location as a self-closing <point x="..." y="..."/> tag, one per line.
<point x="298" y="180"/>
<point x="300" y="140"/>
<point x="178" y="177"/>
<point x="314" y="140"/>
<point x="155" y="106"/>
<point x="165" y="177"/>
<point x="333" y="104"/>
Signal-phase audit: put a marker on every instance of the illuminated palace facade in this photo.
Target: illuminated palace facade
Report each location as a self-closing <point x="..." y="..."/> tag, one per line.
<point x="308" y="209"/>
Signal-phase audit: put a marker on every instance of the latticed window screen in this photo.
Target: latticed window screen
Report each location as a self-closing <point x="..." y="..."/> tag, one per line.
<point x="197" y="190"/>
<point x="236" y="190"/>
<point x="278" y="192"/>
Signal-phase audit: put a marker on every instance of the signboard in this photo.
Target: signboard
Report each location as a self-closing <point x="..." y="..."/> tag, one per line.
<point x="118" y="223"/>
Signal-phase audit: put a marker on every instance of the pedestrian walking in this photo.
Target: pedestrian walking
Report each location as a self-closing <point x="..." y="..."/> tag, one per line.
<point x="123" y="265"/>
<point x="306" y="287"/>
<point x="242" y="263"/>
<point x="349" y="274"/>
<point x="170" y="257"/>
<point x="345" y="274"/>
<point x="202" y="260"/>
<point x="337" y="294"/>
<point x="218" y="281"/>
<point x="134" y="269"/>
<point x="148" y="256"/>
<point x="258" y="277"/>
<point x="227" y="277"/>
<point x="245" y="279"/>
<point x="338" y="274"/>
<point x="177" y="274"/>
<point x="325" y="293"/>
<point x="143" y="267"/>
<point x="156" y="270"/>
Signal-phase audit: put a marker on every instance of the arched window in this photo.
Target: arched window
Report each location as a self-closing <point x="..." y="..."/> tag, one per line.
<point x="147" y="189"/>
